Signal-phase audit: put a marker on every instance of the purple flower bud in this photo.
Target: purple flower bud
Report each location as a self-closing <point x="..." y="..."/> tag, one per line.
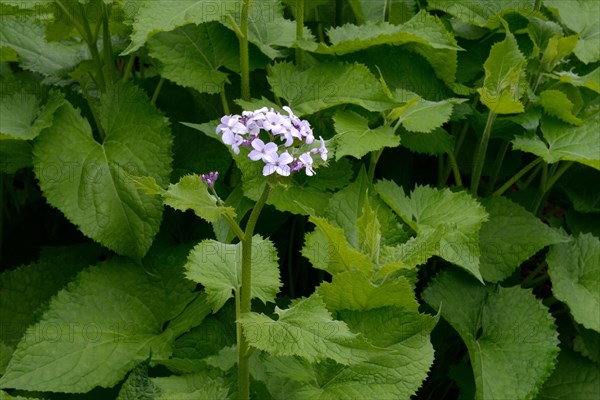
<point x="210" y="178"/>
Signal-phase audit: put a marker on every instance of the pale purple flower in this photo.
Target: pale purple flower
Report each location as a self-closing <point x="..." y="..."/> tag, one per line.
<point x="306" y="132"/>
<point x="278" y="163"/>
<point x="210" y="178"/>
<point x="323" y="149"/>
<point x="307" y="160"/>
<point x="274" y="122"/>
<point x="261" y="150"/>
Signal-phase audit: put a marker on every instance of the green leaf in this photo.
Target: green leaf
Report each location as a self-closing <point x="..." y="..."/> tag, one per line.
<point x="156" y="16"/>
<point x="28" y="287"/>
<point x="579" y="184"/>
<point x="587" y="343"/>
<point x="557" y="104"/>
<point x="107" y="321"/>
<point x="26" y="36"/>
<point x="427" y="208"/>
<point x="420" y="115"/>
<point x="190" y="387"/>
<point x="353" y="290"/>
<point x="574" y="268"/>
<point x="422" y="28"/>
<point x="355" y="138"/>
<point x="326" y="85"/>
<point x="138" y="385"/>
<point x="511" y="236"/>
<point x="504" y="83"/>
<point x="557" y="49"/>
<point x="369" y="232"/>
<point x="396" y="373"/>
<point x="397" y="11"/>
<point x="218" y="267"/>
<point x="190" y="193"/>
<point x="582" y="18"/>
<point x="22" y="116"/>
<point x="574" y="378"/>
<point x="564" y="142"/>
<point x="438" y="141"/>
<point x="328" y="249"/>
<point x="497" y="323"/>
<point x="306" y="329"/>
<point x="481" y="12"/>
<point x="590" y="81"/>
<point x="84" y="179"/>
<point x="192" y="55"/>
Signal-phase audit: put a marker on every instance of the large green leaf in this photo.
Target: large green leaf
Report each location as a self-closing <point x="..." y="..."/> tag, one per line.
<point x="510" y="335"/>
<point x="438" y="141"/>
<point x="352" y="290"/>
<point x="326" y="85"/>
<point x="218" y="267"/>
<point x="504" y="83"/>
<point x="85" y="180"/>
<point x="427" y="208"/>
<point x="482" y="12"/>
<point x="355" y="138"/>
<point x="28" y="287"/>
<point x="190" y="387"/>
<point x="27" y="37"/>
<point x="557" y="104"/>
<point x="575" y="378"/>
<point x="396" y="11"/>
<point x="394" y="374"/>
<point x="156" y="16"/>
<point x="509" y="237"/>
<point x="23" y="117"/>
<point x="563" y="141"/>
<point x="581" y="16"/>
<point x="107" y="321"/>
<point x="192" y="55"/>
<point x="306" y="329"/>
<point x="574" y="268"/>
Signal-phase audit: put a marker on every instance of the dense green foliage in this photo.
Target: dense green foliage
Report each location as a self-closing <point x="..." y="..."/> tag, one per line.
<point x="449" y="247"/>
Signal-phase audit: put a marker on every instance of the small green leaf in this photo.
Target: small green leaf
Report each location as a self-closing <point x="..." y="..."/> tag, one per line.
<point x="218" y="267"/>
<point x="352" y="290"/>
<point x="497" y="323"/>
<point x="564" y="142"/>
<point x="574" y="378"/>
<point x="190" y="387"/>
<point x="557" y="104"/>
<point x="355" y="138"/>
<point x="369" y="232"/>
<point x="558" y="48"/>
<point x="84" y="179"/>
<point x="326" y="85"/>
<point x="481" y="12"/>
<point x="138" y="385"/>
<point x="306" y="329"/>
<point x="590" y="81"/>
<point x="574" y="268"/>
<point x="190" y="193"/>
<point x="509" y="237"/>
<point x="328" y="249"/>
<point x="427" y="208"/>
<point x="192" y="55"/>
<point x="22" y="116"/>
<point x="420" y="115"/>
<point x="108" y="320"/>
<point x="504" y="83"/>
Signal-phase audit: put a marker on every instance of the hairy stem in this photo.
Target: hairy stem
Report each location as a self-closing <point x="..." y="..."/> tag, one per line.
<point x="479" y="158"/>
<point x="244" y="52"/>
<point x="243" y="346"/>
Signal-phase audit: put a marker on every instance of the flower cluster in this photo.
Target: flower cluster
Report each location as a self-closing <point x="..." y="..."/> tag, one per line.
<point x="294" y="135"/>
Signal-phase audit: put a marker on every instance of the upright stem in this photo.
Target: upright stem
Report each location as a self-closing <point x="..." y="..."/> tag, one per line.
<point x="373" y="163"/>
<point x="496" y="167"/>
<point x="299" y="31"/>
<point x="455" y="170"/>
<point x="224" y="102"/>
<point x="246" y="289"/>
<point x="244" y="53"/>
<point x="107" y="45"/>
<point x="161" y="82"/>
<point x="479" y="158"/>
<point x="517" y="176"/>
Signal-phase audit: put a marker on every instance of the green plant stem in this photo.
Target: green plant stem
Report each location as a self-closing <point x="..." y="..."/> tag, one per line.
<point x="299" y="31"/>
<point x="531" y="176"/>
<point x="246" y="305"/>
<point x="536" y="282"/>
<point x="128" y="68"/>
<point x="93" y="48"/>
<point x="457" y="147"/>
<point x="244" y="52"/>
<point x="533" y="274"/>
<point x="516" y="177"/>
<point x="157" y="91"/>
<point x="455" y="170"/>
<point x="107" y="45"/>
<point x="496" y="167"/>
<point x="549" y="179"/>
<point x="374" y="158"/>
<point x="224" y="102"/>
<point x="479" y="157"/>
